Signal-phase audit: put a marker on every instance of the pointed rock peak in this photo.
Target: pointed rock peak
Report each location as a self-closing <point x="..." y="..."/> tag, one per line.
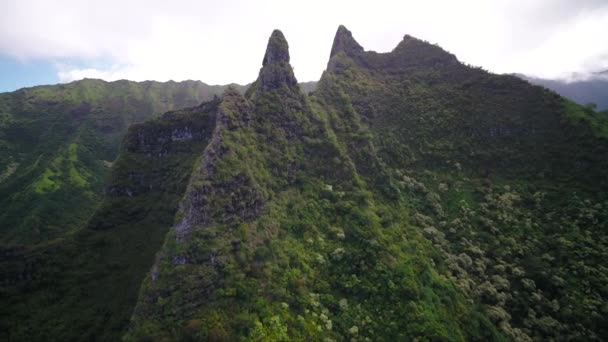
<point x="407" y="39"/>
<point x="276" y="70"/>
<point x="422" y="50"/>
<point x="344" y="41"/>
<point x="277" y="50"/>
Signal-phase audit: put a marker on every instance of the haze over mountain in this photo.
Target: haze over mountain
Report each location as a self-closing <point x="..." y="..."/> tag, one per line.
<point x="584" y="89"/>
<point x="409" y="196"/>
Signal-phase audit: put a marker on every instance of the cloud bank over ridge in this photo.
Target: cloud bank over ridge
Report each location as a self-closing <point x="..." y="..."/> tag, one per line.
<point x="214" y="41"/>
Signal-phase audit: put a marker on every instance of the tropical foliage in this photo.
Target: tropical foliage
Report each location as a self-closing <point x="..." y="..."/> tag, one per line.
<point x="408" y="197"/>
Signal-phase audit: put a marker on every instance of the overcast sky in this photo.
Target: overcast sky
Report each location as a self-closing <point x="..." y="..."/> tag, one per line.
<point x="223" y="41"/>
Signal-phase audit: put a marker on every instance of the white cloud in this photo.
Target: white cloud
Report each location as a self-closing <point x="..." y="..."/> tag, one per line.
<point x="576" y="45"/>
<point x="68" y="73"/>
<point x="224" y="41"/>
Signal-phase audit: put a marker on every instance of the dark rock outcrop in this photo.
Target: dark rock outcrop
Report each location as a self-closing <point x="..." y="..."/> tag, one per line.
<point x="344" y="41"/>
<point x="410" y="53"/>
<point x="200" y="203"/>
<point x="276" y="70"/>
<point x="277" y="50"/>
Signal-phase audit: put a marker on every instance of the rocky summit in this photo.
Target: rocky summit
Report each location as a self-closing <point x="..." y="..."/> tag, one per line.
<point x="276" y="70"/>
<point x="344" y="42"/>
<point x="408" y="197"/>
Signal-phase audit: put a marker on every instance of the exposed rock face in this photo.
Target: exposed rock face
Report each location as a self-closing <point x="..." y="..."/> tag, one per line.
<point x="200" y="203"/>
<point x="277" y="50"/>
<point x="148" y="148"/>
<point x="410" y="53"/>
<point x="252" y="155"/>
<point x="276" y="71"/>
<point x="344" y="41"/>
<point x="156" y="142"/>
<point x="237" y="198"/>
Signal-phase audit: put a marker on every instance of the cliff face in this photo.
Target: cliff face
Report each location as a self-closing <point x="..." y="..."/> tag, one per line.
<point x="408" y="197"/>
<point x="49" y="290"/>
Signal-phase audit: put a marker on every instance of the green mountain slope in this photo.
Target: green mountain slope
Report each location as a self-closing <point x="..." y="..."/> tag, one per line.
<point x="83" y="286"/>
<point x="279" y="236"/>
<point x="505" y="178"/>
<point x="57" y="143"/>
<point x="408" y="197"/>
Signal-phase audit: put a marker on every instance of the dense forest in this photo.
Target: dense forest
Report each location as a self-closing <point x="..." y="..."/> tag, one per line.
<point x="407" y="197"/>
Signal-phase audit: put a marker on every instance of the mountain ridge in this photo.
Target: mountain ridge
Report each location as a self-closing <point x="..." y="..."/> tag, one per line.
<point x="60" y="141"/>
<point x="585" y="91"/>
<point x="408" y="197"/>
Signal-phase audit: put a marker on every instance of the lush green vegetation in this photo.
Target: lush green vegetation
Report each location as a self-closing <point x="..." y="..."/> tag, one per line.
<point x="57" y="144"/>
<point x="506" y="180"/>
<point x="83" y="286"/>
<point x="409" y="197"/>
<point x="306" y="246"/>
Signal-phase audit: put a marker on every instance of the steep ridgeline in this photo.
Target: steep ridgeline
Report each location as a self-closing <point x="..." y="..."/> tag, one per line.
<point x="428" y="110"/>
<point x="58" y="142"/>
<point x="83" y="287"/>
<point x="506" y="179"/>
<point x="291" y="229"/>
<point x="409" y="197"/>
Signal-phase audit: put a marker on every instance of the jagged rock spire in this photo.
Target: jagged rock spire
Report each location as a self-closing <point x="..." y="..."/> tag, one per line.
<point x="344" y="41"/>
<point x="276" y="70"/>
<point x="277" y="50"/>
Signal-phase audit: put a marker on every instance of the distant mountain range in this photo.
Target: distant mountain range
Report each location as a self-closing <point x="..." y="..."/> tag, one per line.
<point x="585" y="90"/>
